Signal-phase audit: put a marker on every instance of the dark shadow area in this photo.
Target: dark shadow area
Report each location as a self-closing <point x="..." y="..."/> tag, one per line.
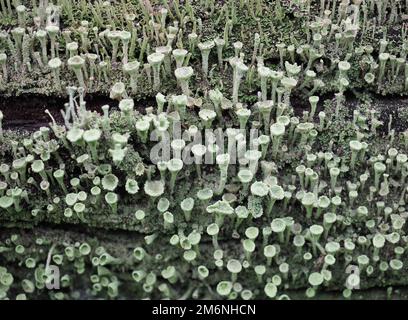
<point x="390" y="105"/>
<point x="27" y="112"/>
<point x="395" y="106"/>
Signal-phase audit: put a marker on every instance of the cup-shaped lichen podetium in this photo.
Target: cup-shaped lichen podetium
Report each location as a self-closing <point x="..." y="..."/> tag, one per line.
<point x="216" y="98"/>
<point x="265" y="108"/>
<point x="378" y="243"/>
<point x="245" y="176"/>
<point x="114" y="38"/>
<point x="220" y="44"/>
<point x="163" y="205"/>
<point x="6" y="203"/>
<point x="120" y="139"/>
<point x="174" y="166"/>
<point x="117" y="153"/>
<point x="275" y="193"/>
<point x="155" y="60"/>
<point x="72" y="48"/>
<point x="20" y="165"/>
<point x="170" y="274"/>
<point x="264" y="73"/>
<point x="322" y="204"/>
<point x="37" y="166"/>
<point x="168" y="220"/>
<point x="277" y="130"/>
<point x="76" y="63"/>
<point x="52" y="31"/>
<point x="369" y="78"/>
<point x="259" y="189"/>
<point x="223" y="161"/>
<point x="126" y="106"/>
<point x="111" y="199"/>
<point x="276" y="76"/>
<point x="241" y="214"/>
<point x="160" y="100"/>
<point x="59" y="177"/>
<point x="315" y="280"/>
<point x="355" y="147"/>
<point x="213" y="230"/>
<point x="6" y="280"/>
<point x="110" y="182"/>
<point x="234" y="267"/>
<point x="252" y="233"/>
<point x="205" y="195"/>
<point x="192" y="41"/>
<point x="253" y="157"/>
<point x="177" y="146"/>
<point x="239" y="71"/>
<point x="270" y="290"/>
<point x="125" y="37"/>
<point x="105" y="259"/>
<point x="190" y="256"/>
<point x="344" y="66"/>
<point x="55" y="65"/>
<point x="203" y="272"/>
<point x="314" y="233"/>
<point x="308" y="201"/>
<point x="379" y="169"/>
<point x="187" y="206"/>
<point x="154" y="189"/>
<point x="118" y="91"/>
<point x="329" y="219"/>
<point x="132" y="69"/>
<point x="292" y="69"/>
<point x="179" y="55"/>
<point x="313" y="100"/>
<point x="334" y="173"/>
<point x="198" y="151"/>
<point x="85" y="249"/>
<point x="304" y="128"/>
<point x="142" y="128"/>
<point x="166" y="52"/>
<point x="180" y="104"/>
<point x="289" y="84"/>
<point x="18" y="35"/>
<point x="205" y="48"/>
<point x="249" y="247"/>
<point x="183" y="75"/>
<point x="263" y="141"/>
<point x="91" y="137"/>
<point x="207" y="116"/>
<point x="75" y="135"/>
<point x="278" y="226"/>
<point x="243" y="115"/>
<point x="131" y="186"/>
<point x="96" y="195"/>
<point x="220" y="209"/>
<point x="41" y="35"/>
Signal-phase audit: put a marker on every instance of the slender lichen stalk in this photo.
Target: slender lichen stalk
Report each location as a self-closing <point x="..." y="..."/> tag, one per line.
<point x="239" y="69"/>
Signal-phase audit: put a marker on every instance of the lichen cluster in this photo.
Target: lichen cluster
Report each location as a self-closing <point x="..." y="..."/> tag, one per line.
<point x="254" y="174"/>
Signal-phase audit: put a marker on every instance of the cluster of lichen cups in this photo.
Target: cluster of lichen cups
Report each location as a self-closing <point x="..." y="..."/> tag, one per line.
<point x="99" y="55"/>
<point x="312" y="207"/>
<point x="289" y="212"/>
